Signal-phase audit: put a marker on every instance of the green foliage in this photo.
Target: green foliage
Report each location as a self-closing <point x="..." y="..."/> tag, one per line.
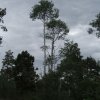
<point x="24" y="73"/>
<point x="92" y="68"/>
<point x="57" y="30"/>
<point x="18" y="78"/>
<point x="48" y="87"/>
<point x="7" y="88"/>
<point x="71" y="51"/>
<point x="95" y="26"/>
<point x="44" y="10"/>
<point x="74" y="79"/>
<point x="2" y="14"/>
<point x="81" y="76"/>
<point x="8" y="64"/>
<point x="8" y="61"/>
<point x="71" y="70"/>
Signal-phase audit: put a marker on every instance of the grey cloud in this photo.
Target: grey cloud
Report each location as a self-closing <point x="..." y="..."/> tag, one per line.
<point x="78" y="11"/>
<point x="24" y="34"/>
<point x="89" y="44"/>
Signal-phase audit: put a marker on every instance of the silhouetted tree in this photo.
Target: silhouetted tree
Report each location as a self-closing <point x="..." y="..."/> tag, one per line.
<point x="44" y="11"/>
<point x="7" y="88"/>
<point x="71" y="70"/>
<point x="7" y="83"/>
<point x="25" y="75"/>
<point x="95" y="26"/>
<point x="2" y="14"/>
<point x="56" y="30"/>
<point x="91" y="79"/>
<point x="70" y="51"/>
<point x="81" y="78"/>
<point x="8" y="64"/>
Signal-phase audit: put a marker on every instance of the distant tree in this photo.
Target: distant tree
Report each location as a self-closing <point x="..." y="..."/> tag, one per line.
<point x="8" y="64"/>
<point x="95" y="26"/>
<point x="2" y="14"/>
<point x="25" y="75"/>
<point x="56" y="30"/>
<point x="44" y="11"/>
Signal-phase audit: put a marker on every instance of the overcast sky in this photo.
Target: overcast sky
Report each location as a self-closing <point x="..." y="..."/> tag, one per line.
<point x="24" y="34"/>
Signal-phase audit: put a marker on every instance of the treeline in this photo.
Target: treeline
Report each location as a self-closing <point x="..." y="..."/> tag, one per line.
<point x="17" y="76"/>
<point x="74" y="79"/>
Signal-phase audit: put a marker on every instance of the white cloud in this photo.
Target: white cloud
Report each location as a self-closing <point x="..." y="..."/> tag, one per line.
<point x="89" y="44"/>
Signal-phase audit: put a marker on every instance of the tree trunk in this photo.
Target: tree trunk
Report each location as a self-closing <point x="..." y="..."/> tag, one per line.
<point x="44" y="49"/>
<point x="52" y="55"/>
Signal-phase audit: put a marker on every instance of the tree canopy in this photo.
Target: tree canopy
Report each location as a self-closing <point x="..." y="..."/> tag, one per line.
<point x="95" y="26"/>
<point x="25" y="75"/>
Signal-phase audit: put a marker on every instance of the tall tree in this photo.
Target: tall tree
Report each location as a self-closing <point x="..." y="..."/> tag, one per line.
<point x="57" y="30"/>
<point x="71" y="70"/>
<point x="44" y="11"/>
<point x="7" y="84"/>
<point x="25" y="75"/>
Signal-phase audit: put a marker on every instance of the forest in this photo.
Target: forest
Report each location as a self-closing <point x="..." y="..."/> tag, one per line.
<point x="67" y="74"/>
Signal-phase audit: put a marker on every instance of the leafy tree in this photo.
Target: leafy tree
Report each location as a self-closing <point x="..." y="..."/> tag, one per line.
<point x="8" y="64"/>
<point x="8" y="61"/>
<point x="71" y="70"/>
<point x="92" y="68"/>
<point x="2" y="14"/>
<point x="57" y="30"/>
<point x="7" y="83"/>
<point x="70" y="51"/>
<point x="48" y="87"/>
<point x="25" y="75"/>
<point x="44" y="11"/>
<point x="91" y="79"/>
<point x="80" y="76"/>
<point x="95" y="26"/>
<point x="7" y="88"/>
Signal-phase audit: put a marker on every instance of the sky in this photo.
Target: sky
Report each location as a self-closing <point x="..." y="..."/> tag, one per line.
<point x="25" y="34"/>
